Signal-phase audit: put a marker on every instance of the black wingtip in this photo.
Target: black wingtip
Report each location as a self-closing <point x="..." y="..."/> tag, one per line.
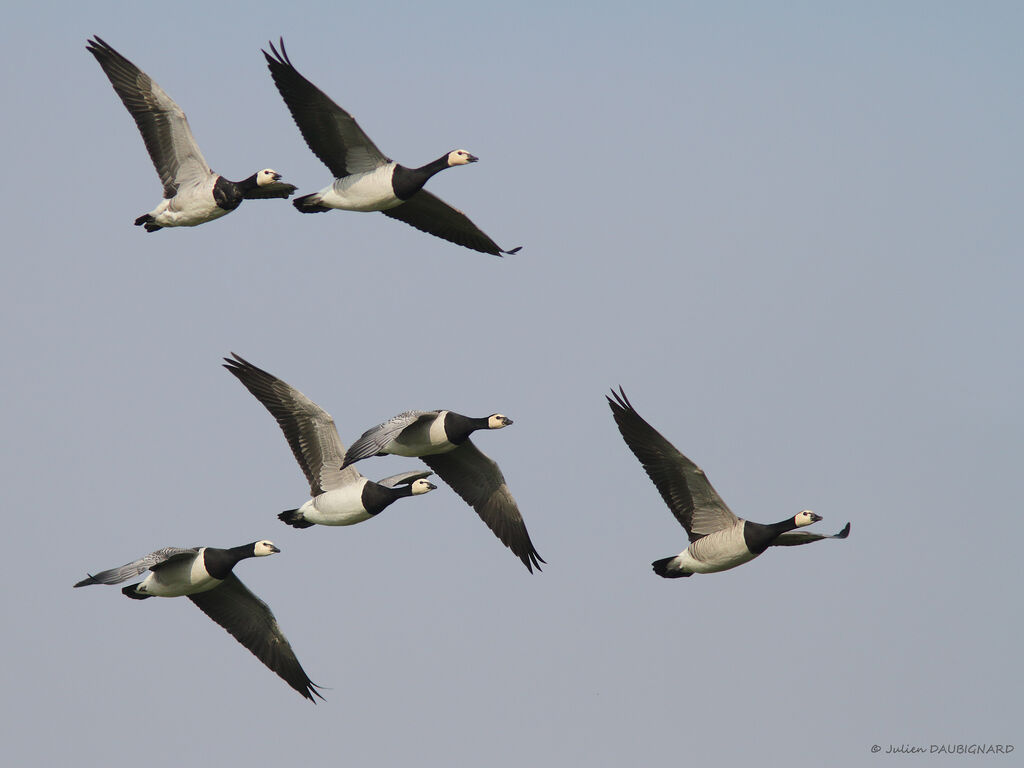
<point x="511" y="252"/>
<point x="87" y="582"/>
<point x="843" y="533"/>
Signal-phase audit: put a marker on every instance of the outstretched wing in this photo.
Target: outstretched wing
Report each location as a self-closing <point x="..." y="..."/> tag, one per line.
<point x="251" y="623"/>
<point x="376" y="439"/>
<point x="795" y="538"/>
<point x="478" y="480"/>
<point x="143" y="564"/>
<point x="405" y="478"/>
<point x="434" y="216"/>
<point x="331" y="132"/>
<point x="682" y="484"/>
<point x="309" y="429"/>
<point x="161" y="122"/>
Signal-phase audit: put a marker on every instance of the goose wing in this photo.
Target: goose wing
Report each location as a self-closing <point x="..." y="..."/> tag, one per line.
<point x="404" y="478"/>
<point x="795" y="538"/>
<point x="434" y="216"/>
<point x="161" y="122"/>
<point x="376" y="439"/>
<point x="251" y="623"/>
<point x="331" y="132"/>
<point x="478" y="480"/>
<point x="682" y="484"/>
<point x="143" y="564"/>
<point x="309" y="429"/>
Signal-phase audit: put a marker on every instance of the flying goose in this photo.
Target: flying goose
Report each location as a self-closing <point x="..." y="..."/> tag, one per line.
<point x="205" y="575"/>
<point x="441" y="439"/>
<point x="718" y="539"/>
<point x="338" y="497"/>
<point x="366" y="179"/>
<point x="193" y="194"/>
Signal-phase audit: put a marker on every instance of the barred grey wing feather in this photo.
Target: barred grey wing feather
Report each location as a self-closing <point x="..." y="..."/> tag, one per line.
<point x="405" y="478"/>
<point x="309" y="429"/>
<point x="376" y="439"/>
<point x="143" y="564"/>
<point x="681" y="483"/>
<point x="331" y="133"/>
<point x="162" y="123"/>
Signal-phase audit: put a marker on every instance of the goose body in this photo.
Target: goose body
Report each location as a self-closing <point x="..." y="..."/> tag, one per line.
<point x="193" y="193"/>
<point x="441" y="439"/>
<point x="718" y="539"/>
<point x="365" y="178"/>
<point x="337" y="496"/>
<point x="206" y="576"/>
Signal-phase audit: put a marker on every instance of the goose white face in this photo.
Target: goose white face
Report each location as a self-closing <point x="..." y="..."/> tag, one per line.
<point x="806" y="518"/>
<point x="422" y="486"/>
<point x="264" y="548"/>
<point x="267" y="176"/>
<point x="497" y="421"/>
<point x="461" y="157"/>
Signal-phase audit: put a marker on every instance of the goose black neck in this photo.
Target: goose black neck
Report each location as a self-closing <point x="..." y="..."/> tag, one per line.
<point x="458" y="427"/>
<point x="376" y="498"/>
<point x="220" y="562"/>
<point x="408" y="181"/>
<point x="758" y="537"/>
<point x="229" y="194"/>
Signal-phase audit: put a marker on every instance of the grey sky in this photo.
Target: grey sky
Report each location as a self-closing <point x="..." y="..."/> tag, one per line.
<point x="792" y="236"/>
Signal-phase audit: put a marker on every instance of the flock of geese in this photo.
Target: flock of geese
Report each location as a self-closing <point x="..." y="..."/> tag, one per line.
<point x="367" y="180"/>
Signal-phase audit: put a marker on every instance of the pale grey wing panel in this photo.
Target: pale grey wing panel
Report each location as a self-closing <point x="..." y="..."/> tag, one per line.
<point x="432" y="215"/>
<point x="309" y="429"/>
<point x="478" y="480"/>
<point x="681" y="483"/>
<point x="143" y="564"/>
<point x="375" y="439"/>
<point x="331" y="132"/>
<point x="250" y="622"/>
<point x="405" y="478"/>
<point x="162" y="123"/>
<point x="795" y="538"/>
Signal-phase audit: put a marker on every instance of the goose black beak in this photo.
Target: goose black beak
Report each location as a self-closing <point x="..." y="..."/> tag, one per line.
<point x="471" y="158"/>
<point x="431" y="486"/>
<point x="816" y="518"/>
<point x="277" y="177"/>
<point x="273" y="548"/>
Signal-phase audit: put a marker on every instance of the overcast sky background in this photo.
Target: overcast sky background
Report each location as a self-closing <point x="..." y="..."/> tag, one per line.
<point x="793" y="236"/>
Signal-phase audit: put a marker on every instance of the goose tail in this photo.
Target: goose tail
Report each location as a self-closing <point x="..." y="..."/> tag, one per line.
<point x="309" y="203"/>
<point x="294" y="518"/>
<point x="129" y="591"/>
<point x="664" y="569"/>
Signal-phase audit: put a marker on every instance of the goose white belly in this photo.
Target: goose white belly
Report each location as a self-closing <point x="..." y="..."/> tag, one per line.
<point x="369" y="191"/>
<point x="718" y="551"/>
<point x="191" y="206"/>
<point x="341" y="506"/>
<point x="182" y="577"/>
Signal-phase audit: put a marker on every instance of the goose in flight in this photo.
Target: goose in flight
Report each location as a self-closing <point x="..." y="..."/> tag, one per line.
<point x="205" y="575"/>
<point x="365" y="178"/>
<point x="338" y="496"/>
<point x="718" y="539"/>
<point x="193" y="194"/>
<point x="441" y="440"/>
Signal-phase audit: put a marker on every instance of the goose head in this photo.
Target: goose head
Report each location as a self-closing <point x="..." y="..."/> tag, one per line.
<point x="497" y="421"/>
<point x="806" y="517"/>
<point x="461" y="157"/>
<point x="267" y="177"/>
<point x="422" y="486"/>
<point x="264" y="548"/>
